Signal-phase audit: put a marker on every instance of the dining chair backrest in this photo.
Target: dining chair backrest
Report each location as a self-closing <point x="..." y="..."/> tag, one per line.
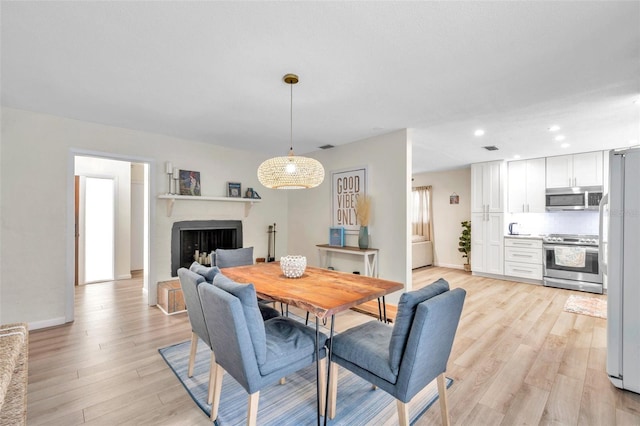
<point x="189" y="282"/>
<point x="229" y="335"/>
<point x="430" y="340"/>
<point x="407" y="306"/>
<point x="208" y="272"/>
<point x="227" y="258"/>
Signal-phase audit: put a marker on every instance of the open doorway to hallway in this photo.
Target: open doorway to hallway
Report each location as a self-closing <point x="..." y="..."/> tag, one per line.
<point x="110" y="219"/>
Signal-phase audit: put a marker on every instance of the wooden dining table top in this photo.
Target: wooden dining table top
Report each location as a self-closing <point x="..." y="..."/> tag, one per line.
<point x="322" y="292"/>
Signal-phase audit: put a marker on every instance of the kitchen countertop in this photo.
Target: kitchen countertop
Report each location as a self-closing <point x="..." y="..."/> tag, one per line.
<point x="524" y="236"/>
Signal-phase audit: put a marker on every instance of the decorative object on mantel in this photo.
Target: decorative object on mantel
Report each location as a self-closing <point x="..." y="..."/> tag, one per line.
<point x="189" y="183"/>
<point x="250" y="193"/>
<point x="233" y="189"/>
<point x="363" y="212"/>
<point x="292" y="171"/>
<point x="293" y="266"/>
<point x="336" y="236"/>
<point x="176" y="181"/>
<point x="168" y="168"/>
<point x="464" y="244"/>
<point x="454" y="198"/>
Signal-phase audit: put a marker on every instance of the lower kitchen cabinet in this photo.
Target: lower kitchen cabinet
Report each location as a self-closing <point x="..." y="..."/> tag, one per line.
<point x="523" y="258"/>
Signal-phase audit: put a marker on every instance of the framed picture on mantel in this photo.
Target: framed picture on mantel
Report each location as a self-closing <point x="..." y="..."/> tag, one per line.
<point x="346" y="187"/>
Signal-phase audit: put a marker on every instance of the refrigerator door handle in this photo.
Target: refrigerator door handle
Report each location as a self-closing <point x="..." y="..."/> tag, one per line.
<point x="601" y="259"/>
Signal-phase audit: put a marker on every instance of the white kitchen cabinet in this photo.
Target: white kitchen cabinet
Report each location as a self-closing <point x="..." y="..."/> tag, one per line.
<point x="487" y="241"/>
<point x="488" y="187"/>
<point x="526" y="186"/>
<point x="584" y="169"/>
<point x="523" y="258"/>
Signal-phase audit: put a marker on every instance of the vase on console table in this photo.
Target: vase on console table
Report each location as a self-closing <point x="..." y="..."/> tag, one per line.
<point x="363" y="237"/>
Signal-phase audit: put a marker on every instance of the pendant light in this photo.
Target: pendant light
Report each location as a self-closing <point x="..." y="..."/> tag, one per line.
<point x="292" y="171"/>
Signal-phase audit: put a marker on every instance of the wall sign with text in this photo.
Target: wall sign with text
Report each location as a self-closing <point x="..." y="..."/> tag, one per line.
<point x="346" y="187"/>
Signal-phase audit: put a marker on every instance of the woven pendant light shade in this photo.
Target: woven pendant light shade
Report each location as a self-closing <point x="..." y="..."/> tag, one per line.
<point x="292" y="171"/>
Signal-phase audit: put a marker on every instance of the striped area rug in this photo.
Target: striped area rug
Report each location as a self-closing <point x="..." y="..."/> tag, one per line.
<point x="293" y="403"/>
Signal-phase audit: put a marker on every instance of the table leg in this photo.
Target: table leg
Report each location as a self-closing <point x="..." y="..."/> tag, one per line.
<point x="329" y="353"/>
<point x="318" y="390"/>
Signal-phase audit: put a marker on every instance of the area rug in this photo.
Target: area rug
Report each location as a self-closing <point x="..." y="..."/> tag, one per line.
<point x="293" y="403"/>
<point x="591" y="306"/>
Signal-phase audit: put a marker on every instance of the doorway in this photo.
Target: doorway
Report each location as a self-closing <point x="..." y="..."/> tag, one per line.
<point x="120" y="185"/>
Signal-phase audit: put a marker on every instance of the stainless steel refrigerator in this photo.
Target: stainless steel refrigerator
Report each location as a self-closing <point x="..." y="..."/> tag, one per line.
<point x="620" y="236"/>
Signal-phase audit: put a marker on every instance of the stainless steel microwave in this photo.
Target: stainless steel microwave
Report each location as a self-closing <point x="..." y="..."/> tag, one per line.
<point x="583" y="198"/>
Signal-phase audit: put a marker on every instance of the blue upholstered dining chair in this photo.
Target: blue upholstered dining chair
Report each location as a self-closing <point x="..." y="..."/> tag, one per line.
<point x="405" y="358"/>
<point x="189" y="282"/>
<point x="227" y="258"/>
<point x="255" y="353"/>
<point x="190" y="279"/>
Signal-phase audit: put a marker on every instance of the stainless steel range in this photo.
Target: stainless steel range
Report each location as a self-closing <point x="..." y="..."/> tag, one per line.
<point x="571" y="262"/>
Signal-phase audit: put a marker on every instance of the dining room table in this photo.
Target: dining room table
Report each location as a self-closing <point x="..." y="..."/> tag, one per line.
<point x="321" y="292"/>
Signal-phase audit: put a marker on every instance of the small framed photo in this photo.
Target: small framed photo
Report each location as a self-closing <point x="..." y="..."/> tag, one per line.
<point x="234" y="189"/>
<point x="189" y="182"/>
<point x="454" y="198"/>
<point x="336" y="236"/>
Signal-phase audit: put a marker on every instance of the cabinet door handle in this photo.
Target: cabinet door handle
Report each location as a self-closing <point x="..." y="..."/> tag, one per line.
<point x="522" y="270"/>
<point x="523" y="208"/>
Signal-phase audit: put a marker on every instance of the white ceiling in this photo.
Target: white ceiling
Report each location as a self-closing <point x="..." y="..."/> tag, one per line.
<point x="212" y="72"/>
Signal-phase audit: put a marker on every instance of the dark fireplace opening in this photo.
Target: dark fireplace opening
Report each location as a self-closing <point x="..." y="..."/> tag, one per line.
<point x="200" y="237"/>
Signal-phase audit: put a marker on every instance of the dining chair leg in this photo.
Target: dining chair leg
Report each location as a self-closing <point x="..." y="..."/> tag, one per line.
<point x="212" y="378"/>
<point x="192" y="354"/>
<point x="403" y="413"/>
<point x="333" y="390"/>
<point x="252" y="412"/>
<point x="217" y="389"/>
<point x="323" y="383"/>
<point x="442" y="395"/>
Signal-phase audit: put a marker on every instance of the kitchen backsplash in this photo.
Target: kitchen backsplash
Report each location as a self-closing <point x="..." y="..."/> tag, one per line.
<point x="580" y="222"/>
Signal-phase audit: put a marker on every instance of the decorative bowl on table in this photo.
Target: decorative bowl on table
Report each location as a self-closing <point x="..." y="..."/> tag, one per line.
<point x="293" y="266"/>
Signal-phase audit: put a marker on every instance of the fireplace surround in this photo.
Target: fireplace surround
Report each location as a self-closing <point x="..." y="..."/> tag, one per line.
<point x="204" y="236"/>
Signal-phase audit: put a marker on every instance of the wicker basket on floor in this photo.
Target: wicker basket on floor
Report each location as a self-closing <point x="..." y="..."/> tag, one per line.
<point x="14" y="347"/>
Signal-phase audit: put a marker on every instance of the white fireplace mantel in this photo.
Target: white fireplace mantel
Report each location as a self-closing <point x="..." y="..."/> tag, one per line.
<point x="172" y="198"/>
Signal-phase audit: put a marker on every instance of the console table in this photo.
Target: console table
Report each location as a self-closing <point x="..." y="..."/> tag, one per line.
<point x="369" y="256"/>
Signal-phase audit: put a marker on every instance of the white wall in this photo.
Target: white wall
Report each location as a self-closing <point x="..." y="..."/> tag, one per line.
<point x="388" y="163"/>
<point x="447" y="217"/>
<point x="37" y="190"/>
<point x="120" y="171"/>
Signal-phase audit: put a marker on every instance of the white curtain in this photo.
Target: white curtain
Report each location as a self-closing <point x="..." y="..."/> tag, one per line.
<point x="421" y="222"/>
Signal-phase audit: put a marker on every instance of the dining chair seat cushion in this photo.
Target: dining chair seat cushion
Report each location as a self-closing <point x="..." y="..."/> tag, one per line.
<point x="246" y="293"/>
<point x="367" y="346"/>
<point x="227" y="258"/>
<point x="289" y="342"/>
<point x="268" y="312"/>
<point x="208" y="273"/>
<point x="404" y="318"/>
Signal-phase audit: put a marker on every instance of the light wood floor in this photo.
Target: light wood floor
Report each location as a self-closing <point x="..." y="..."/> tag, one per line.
<point x="518" y="358"/>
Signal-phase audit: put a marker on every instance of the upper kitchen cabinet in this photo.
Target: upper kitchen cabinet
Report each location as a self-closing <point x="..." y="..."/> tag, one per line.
<point x="575" y="170"/>
<point x="487" y="187"/>
<point x="526" y="186"/>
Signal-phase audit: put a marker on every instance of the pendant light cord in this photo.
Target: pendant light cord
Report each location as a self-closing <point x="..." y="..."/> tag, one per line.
<point x="291" y="120"/>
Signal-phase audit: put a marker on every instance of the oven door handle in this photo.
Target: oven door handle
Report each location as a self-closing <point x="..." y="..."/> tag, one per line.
<point x="588" y="249"/>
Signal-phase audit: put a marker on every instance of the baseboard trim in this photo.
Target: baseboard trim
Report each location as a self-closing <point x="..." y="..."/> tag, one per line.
<point x="449" y="265"/>
<point x="36" y="325"/>
<point x="124" y="277"/>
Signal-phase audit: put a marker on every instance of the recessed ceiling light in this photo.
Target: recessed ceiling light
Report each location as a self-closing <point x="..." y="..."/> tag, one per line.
<point x="554" y="128"/>
<point x="560" y="138"/>
<point x="565" y="145"/>
<point x="479" y="132"/>
<point x="516" y="156"/>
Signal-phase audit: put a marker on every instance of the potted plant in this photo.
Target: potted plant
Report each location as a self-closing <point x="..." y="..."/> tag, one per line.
<point x="464" y="244"/>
